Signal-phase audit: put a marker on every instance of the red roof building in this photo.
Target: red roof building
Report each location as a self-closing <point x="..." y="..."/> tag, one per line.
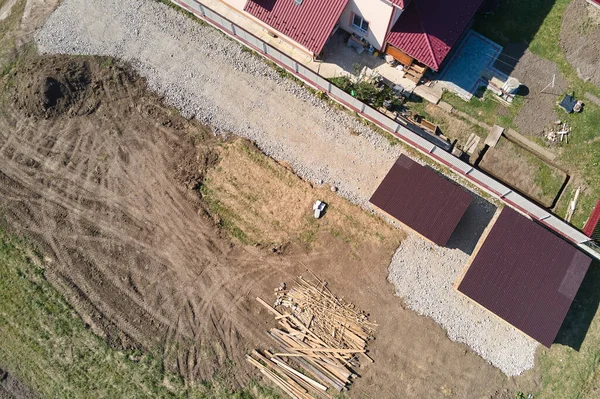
<point x="409" y="30"/>
<point x="526" y="275"/>
<point x="422" y="200"/>
<point x="592" y="226"/>
<point x="307" y="22"/>
<point x="594" y="2"/>
<point x="428" y="29"/>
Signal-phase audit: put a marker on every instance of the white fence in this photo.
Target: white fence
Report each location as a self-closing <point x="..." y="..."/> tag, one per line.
<point x="397" y="129"/>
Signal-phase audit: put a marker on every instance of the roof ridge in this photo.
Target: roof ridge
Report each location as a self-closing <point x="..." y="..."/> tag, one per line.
<point x="429" y="45"/>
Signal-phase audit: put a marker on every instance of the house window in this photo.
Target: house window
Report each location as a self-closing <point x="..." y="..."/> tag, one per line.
<point x="360" y="24"/>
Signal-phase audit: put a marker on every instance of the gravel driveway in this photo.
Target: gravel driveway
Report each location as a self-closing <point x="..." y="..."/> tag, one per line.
<point x="204" y="74"/>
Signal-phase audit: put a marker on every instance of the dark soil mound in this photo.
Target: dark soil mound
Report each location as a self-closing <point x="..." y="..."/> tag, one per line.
<point x="46" y="89"/>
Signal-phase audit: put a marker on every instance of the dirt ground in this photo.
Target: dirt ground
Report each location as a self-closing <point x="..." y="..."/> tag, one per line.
<point x="535" y="73"/>
<point x="521" y="170"/>
<point x="11" y="388"/>
<point x="104" y="179"/>
<point x="579" y="39"/>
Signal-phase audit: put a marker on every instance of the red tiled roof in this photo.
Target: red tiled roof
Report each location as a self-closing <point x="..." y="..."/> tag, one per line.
<point x="526" y="275"/>
<point x="422" y="199"/>
<point x="428" y="29"/>
<point x="593" y="222"/>
<point x="309" y="23"/>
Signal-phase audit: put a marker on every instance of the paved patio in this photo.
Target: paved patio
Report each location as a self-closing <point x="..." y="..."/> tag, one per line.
<point x="471" y="66"/>
<point x="339" y="59"/>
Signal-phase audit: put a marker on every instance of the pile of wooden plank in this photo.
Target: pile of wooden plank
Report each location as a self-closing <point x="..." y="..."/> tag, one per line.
<point x="319" y="344"/>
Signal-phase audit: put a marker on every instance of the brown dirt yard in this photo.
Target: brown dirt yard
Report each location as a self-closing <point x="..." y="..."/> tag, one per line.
<point x="131" y="205"/>
<point x="524" y="171"/>
<point x="579" y="39"/>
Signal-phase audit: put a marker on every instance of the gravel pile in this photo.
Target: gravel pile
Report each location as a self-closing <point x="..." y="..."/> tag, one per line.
<point x="205" y="75"/>
<point x="423" y="274"/>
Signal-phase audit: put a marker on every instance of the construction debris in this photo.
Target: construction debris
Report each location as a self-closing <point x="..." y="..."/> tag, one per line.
<point x="319" y="344"/>
<point x="570" y="104"/>
<point x="559" y="132"/>
<point x="318" y="208"/>
<point x="572" y="205"/>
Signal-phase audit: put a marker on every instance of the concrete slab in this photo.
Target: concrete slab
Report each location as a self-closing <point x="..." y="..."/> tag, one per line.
<point x="445" y="106"/>
<point x="472" y="143"/>
<point x="431" y="94"/>
<point x="494" y="135"/>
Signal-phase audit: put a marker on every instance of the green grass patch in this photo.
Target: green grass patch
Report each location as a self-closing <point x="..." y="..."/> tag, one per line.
<point x="486" y="109"/>
<point x="228" y="220"/>
<point x="537" y="24"/>
<point x="48" y="348"/>
<point x="7" y="38"/>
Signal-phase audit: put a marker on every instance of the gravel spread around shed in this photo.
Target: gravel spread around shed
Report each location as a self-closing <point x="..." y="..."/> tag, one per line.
<point x="204" y="74"/>
<point x="423" y="275"/>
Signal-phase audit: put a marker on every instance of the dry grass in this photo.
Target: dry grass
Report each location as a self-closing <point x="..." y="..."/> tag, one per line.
<point x="259" y="201"/>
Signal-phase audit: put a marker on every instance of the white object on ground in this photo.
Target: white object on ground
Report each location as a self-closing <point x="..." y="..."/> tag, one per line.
<point x="319" y="207"/>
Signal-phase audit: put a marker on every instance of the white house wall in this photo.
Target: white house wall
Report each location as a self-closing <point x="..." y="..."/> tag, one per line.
<point x="376" y="12"/>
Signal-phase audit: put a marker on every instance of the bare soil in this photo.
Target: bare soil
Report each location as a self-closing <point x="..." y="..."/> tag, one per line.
<point x="11" y="388"/>
<point x="539" y="109"/>
<point x="105" y="181"/>
<point x="579" y="39"/>
<point x="520" y="169"/>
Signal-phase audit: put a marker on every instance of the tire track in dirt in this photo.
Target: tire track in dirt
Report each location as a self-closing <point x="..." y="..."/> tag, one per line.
<point x="98" y="193"/>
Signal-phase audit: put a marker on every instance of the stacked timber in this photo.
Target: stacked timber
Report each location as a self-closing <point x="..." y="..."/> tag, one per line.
<point x="319" y="344"/>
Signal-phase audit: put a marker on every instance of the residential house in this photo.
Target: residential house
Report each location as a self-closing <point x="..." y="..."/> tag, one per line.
<point x="412" y="31"/>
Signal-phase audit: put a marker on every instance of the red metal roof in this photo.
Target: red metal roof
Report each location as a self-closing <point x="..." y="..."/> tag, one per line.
<point x="593" y="221"/>
<point x="422" y="199"/>
<point x="399" y="3"/>
<point x="309" y="23"/>
<point x="428" y="29"/>
<point x="526" y="275"/>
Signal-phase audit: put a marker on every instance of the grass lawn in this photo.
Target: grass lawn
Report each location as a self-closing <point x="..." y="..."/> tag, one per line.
<point x="487" y="109"/>
<point x="538" y="23"/>
<point x="47" y="347"/>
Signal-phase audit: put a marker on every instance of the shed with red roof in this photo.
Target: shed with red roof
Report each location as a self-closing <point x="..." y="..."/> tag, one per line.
<point x="526" y="275"/>
<point x="422" y="200"/>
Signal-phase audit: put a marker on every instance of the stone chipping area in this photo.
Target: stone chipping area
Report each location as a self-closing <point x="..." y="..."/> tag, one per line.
<point x="204" y="74"/>
<point x="424" y="273"/>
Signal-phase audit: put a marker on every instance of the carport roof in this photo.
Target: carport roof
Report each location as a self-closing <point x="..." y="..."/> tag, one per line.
<point x="422" y="199"/>
<point x="526" y="275"/>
